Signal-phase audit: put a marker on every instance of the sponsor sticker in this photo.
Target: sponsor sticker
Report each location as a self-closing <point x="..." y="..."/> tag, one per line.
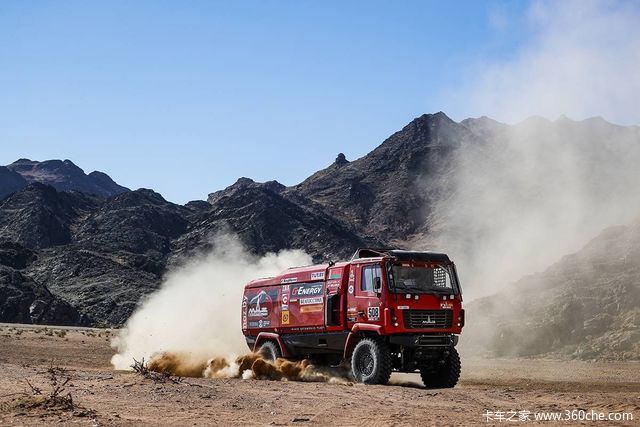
<point x="373" y="313"/>
<point x="307" y="290"/>
<point x="311" y="308"/>
<point x="285" y="317"/>
<point x="285" y="298"/>
<point x="317" y="276"/>
<point x="245" y="302"/>
<point x="350" y="289"/>
<point x="260" y="305"/>
<point x="260" y="324"/>
<point x="446" y="305"/>
<point x="334" y="276"/>
<point x="289" y="280"/>
<point x="403" y="307"/>
<point x="311" y="301"/>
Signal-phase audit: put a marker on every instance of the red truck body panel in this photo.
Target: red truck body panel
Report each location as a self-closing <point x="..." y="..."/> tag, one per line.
<point x="329" y="300"/>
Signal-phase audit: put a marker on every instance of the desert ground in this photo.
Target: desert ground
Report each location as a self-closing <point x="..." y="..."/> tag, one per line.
<point x="103" y="396"/>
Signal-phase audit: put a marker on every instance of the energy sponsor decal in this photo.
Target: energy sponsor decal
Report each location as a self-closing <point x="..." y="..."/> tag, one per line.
<point x="306" y="290"/>
<point x="317" y="276"/>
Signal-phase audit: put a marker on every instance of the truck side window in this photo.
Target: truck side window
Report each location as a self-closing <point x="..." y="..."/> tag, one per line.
<point x="369" y="273"/>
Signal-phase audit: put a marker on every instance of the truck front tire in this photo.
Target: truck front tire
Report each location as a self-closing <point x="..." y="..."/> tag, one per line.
<point x="270" y="351"/>
<point x="444" y="376"/>
<point x="371" y="361"/>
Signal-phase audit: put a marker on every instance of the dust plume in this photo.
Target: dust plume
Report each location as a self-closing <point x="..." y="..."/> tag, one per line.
<point x="196" y="311"/>
<point x="581" y="59"/>
<point x="520" y="197"/>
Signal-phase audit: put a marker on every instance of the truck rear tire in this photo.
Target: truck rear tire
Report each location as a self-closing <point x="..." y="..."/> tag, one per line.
<point x="446" y="375"/>
<point x="270" y="351"/>
<point x="371" y="361"/>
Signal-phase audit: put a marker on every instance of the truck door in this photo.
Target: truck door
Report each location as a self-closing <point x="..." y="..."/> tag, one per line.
<point x="365" y="299"/>
<point x="335" y="302"/>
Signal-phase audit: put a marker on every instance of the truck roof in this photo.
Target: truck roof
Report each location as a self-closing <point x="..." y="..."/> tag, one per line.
<point x="309" y="273"/>
<point x="400" y="255"/>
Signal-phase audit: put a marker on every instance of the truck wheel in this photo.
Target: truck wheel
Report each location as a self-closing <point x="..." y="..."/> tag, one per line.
<point x="371" y="361"/>
<point x="446" y="375"/>
<point x="270" y="351"/>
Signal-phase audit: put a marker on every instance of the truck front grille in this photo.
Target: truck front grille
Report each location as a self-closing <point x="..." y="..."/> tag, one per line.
<point x="422" y="319"/>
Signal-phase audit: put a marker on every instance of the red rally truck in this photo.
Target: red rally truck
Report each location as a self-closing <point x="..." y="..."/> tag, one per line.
<point x="384" y="310"/>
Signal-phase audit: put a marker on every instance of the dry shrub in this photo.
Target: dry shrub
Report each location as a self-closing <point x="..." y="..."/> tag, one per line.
<point x="53" y="396"/>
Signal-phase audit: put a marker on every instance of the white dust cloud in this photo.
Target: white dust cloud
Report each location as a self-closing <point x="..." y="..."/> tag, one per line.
<point x="582" y="60"/>
<point x="196" y="312"/>
<point x="522" y="197"/>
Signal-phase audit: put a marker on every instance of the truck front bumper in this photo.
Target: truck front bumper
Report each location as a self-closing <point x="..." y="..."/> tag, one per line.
<point x="425" y="341"/>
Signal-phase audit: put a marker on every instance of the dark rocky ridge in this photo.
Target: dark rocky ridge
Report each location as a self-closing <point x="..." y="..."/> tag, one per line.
<point x="384" y="193"/>
<point x="102" y="255"/>
<point x="10" y="181"/>
<point x="22" y="300"/>
<point x="38" y="216"/>
<point x="268" y="222"/>
<point x="63" y="175"/>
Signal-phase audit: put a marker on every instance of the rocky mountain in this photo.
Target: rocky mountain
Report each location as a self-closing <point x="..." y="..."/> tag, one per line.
<point x="100" y="256"/>
<point x="587" y="305"/>
<point x="266" y="221"/>
<point x="90" y="255"/>
<point x="389" y="192"/>
<point x="62" y="175"/>
<point x="22" y="300"/>
<point x="38" y="216"/>
<point x="10" y="181"/>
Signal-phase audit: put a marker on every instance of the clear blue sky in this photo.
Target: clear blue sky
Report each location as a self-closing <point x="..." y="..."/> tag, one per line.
<point x="186" y="96"/>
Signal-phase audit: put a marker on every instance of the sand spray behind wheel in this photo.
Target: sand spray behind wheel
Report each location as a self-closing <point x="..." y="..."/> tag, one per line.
<point x="247" y="366"/>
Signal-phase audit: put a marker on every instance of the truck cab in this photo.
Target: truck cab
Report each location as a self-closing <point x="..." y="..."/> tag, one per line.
<point x="384" y="310"/>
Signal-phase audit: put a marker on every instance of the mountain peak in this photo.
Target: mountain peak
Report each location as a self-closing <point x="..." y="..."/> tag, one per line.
<point x="64" y="175"/>
<point x="341" y="159"/>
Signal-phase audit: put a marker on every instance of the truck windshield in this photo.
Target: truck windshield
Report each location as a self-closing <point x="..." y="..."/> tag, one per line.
<point x="420" y="279"/>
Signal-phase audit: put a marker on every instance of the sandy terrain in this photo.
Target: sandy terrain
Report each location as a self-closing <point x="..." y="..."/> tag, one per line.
<point x="104" y="397"/>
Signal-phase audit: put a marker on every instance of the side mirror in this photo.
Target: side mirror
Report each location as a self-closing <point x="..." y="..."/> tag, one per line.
<point x="377" y="285"/>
